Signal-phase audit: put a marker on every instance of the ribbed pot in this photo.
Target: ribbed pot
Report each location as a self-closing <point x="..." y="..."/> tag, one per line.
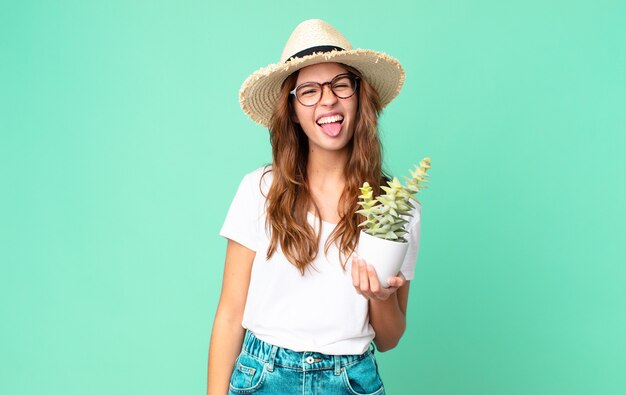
<point x="385" y="255"/>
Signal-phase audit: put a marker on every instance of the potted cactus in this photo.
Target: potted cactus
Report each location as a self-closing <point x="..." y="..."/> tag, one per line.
<point x="382" y="242"/>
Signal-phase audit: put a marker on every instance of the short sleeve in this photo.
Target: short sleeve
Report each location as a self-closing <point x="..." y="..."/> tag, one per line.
<point x="413" y="237"/>
<point x="243" y="217"/>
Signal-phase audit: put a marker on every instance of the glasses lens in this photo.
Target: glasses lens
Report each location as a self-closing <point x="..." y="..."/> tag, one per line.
<point x="308" y="94"/>
<point x="343" y="86"/>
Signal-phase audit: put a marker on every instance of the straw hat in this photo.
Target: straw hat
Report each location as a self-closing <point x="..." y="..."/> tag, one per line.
<point x="315" y="41"/>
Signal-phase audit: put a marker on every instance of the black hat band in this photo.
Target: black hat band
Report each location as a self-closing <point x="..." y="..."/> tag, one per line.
<point x="312" y="50"/>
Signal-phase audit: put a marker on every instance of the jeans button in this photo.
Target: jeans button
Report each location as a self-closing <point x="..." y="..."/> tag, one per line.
<point x="310" y="360"/>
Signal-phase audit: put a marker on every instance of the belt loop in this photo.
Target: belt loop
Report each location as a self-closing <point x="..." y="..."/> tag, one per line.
<point x="337" y="365"/>
<point x="270" y="366"/>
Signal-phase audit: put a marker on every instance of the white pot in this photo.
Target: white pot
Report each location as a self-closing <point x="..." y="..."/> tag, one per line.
<point x="385" y="255"/>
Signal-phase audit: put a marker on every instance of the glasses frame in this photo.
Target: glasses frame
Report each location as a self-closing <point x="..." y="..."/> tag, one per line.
<point x="355" y="78"/>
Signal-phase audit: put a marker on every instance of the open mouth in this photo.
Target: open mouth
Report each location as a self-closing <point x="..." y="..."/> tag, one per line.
<point x="331" y="125"/>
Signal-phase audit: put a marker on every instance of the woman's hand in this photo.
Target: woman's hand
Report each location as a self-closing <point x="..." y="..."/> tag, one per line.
<point x="366" y="282"/>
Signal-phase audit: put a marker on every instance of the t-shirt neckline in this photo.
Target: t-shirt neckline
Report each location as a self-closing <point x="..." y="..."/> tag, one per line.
<point x="314" y="217"/>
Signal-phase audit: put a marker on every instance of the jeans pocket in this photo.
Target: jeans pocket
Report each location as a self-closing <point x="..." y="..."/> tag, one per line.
<point x="362" y="378"/>
<point x="248" y="374"/>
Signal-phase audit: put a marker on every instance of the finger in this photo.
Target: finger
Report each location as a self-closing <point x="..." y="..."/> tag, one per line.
<point x="355" y="271"/>
<point x="356" y="276"/>
<point x="373" y="279"/>
<point x="396" y="282"/>
<point x="364" y="284"/>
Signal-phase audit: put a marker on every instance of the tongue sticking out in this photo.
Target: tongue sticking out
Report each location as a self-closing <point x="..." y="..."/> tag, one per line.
<point x="331" y="129"/>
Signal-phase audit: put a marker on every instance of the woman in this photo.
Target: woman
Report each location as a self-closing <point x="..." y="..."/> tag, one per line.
<point x="298" y="310"/>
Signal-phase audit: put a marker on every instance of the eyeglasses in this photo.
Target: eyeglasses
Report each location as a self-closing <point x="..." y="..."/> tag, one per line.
<point x="310" y="93"/>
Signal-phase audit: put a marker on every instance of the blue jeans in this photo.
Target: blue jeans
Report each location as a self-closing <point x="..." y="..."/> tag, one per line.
<point x="262" y="368"/>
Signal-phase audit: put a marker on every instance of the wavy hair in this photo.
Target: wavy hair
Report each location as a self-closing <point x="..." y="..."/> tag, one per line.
<point x="289" y="197"/>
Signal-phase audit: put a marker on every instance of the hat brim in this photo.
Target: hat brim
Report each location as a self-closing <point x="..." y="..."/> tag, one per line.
<point x="259" y="92"/>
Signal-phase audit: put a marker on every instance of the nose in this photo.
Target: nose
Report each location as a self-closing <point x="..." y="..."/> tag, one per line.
<point x="328" y="96"/>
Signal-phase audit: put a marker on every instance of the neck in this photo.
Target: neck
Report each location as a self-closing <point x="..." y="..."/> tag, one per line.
<point x="326" y="181"/>
<point x="326" y="167"/>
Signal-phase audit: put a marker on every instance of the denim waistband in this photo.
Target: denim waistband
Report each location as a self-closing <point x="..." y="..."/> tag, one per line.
<point x="297" y="360"/>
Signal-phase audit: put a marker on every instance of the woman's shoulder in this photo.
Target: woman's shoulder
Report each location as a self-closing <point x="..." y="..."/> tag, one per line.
<point x="416" y="214"/>
<point x="259" y="172"/>
<point x="260" y="179"/>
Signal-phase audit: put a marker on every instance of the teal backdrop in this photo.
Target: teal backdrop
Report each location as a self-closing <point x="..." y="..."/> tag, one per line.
<point x="122" y="144"/>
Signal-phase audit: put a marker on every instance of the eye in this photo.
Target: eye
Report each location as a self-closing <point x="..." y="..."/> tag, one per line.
<point x="342" y="83"/>
<point x="308" y="90"/>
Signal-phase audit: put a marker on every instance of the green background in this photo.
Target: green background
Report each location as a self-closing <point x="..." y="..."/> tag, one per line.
<point x="122" y="144"/>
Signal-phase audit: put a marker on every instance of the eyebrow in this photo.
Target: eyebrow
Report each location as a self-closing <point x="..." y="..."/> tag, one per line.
<point x="306" y="82"/>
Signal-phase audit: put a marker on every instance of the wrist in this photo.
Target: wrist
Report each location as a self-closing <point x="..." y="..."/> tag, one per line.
<point x="392" y="300"/>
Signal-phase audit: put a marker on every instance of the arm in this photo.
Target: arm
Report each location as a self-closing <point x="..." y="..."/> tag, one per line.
<point x="388" y="317"/>
<point x="387" y="306"/>
<point x="227" y="335"/>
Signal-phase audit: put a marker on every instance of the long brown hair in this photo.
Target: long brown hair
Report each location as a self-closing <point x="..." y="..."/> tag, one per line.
<point x="289" y="197"/>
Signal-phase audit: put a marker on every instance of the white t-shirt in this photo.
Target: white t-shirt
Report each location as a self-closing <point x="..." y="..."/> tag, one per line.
<point x="319" y="311"/>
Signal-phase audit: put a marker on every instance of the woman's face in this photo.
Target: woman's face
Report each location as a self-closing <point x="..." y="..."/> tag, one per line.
<point x="329" y="124"/>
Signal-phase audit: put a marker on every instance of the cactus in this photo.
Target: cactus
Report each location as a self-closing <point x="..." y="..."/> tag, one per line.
<point x="385" y="214"/>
